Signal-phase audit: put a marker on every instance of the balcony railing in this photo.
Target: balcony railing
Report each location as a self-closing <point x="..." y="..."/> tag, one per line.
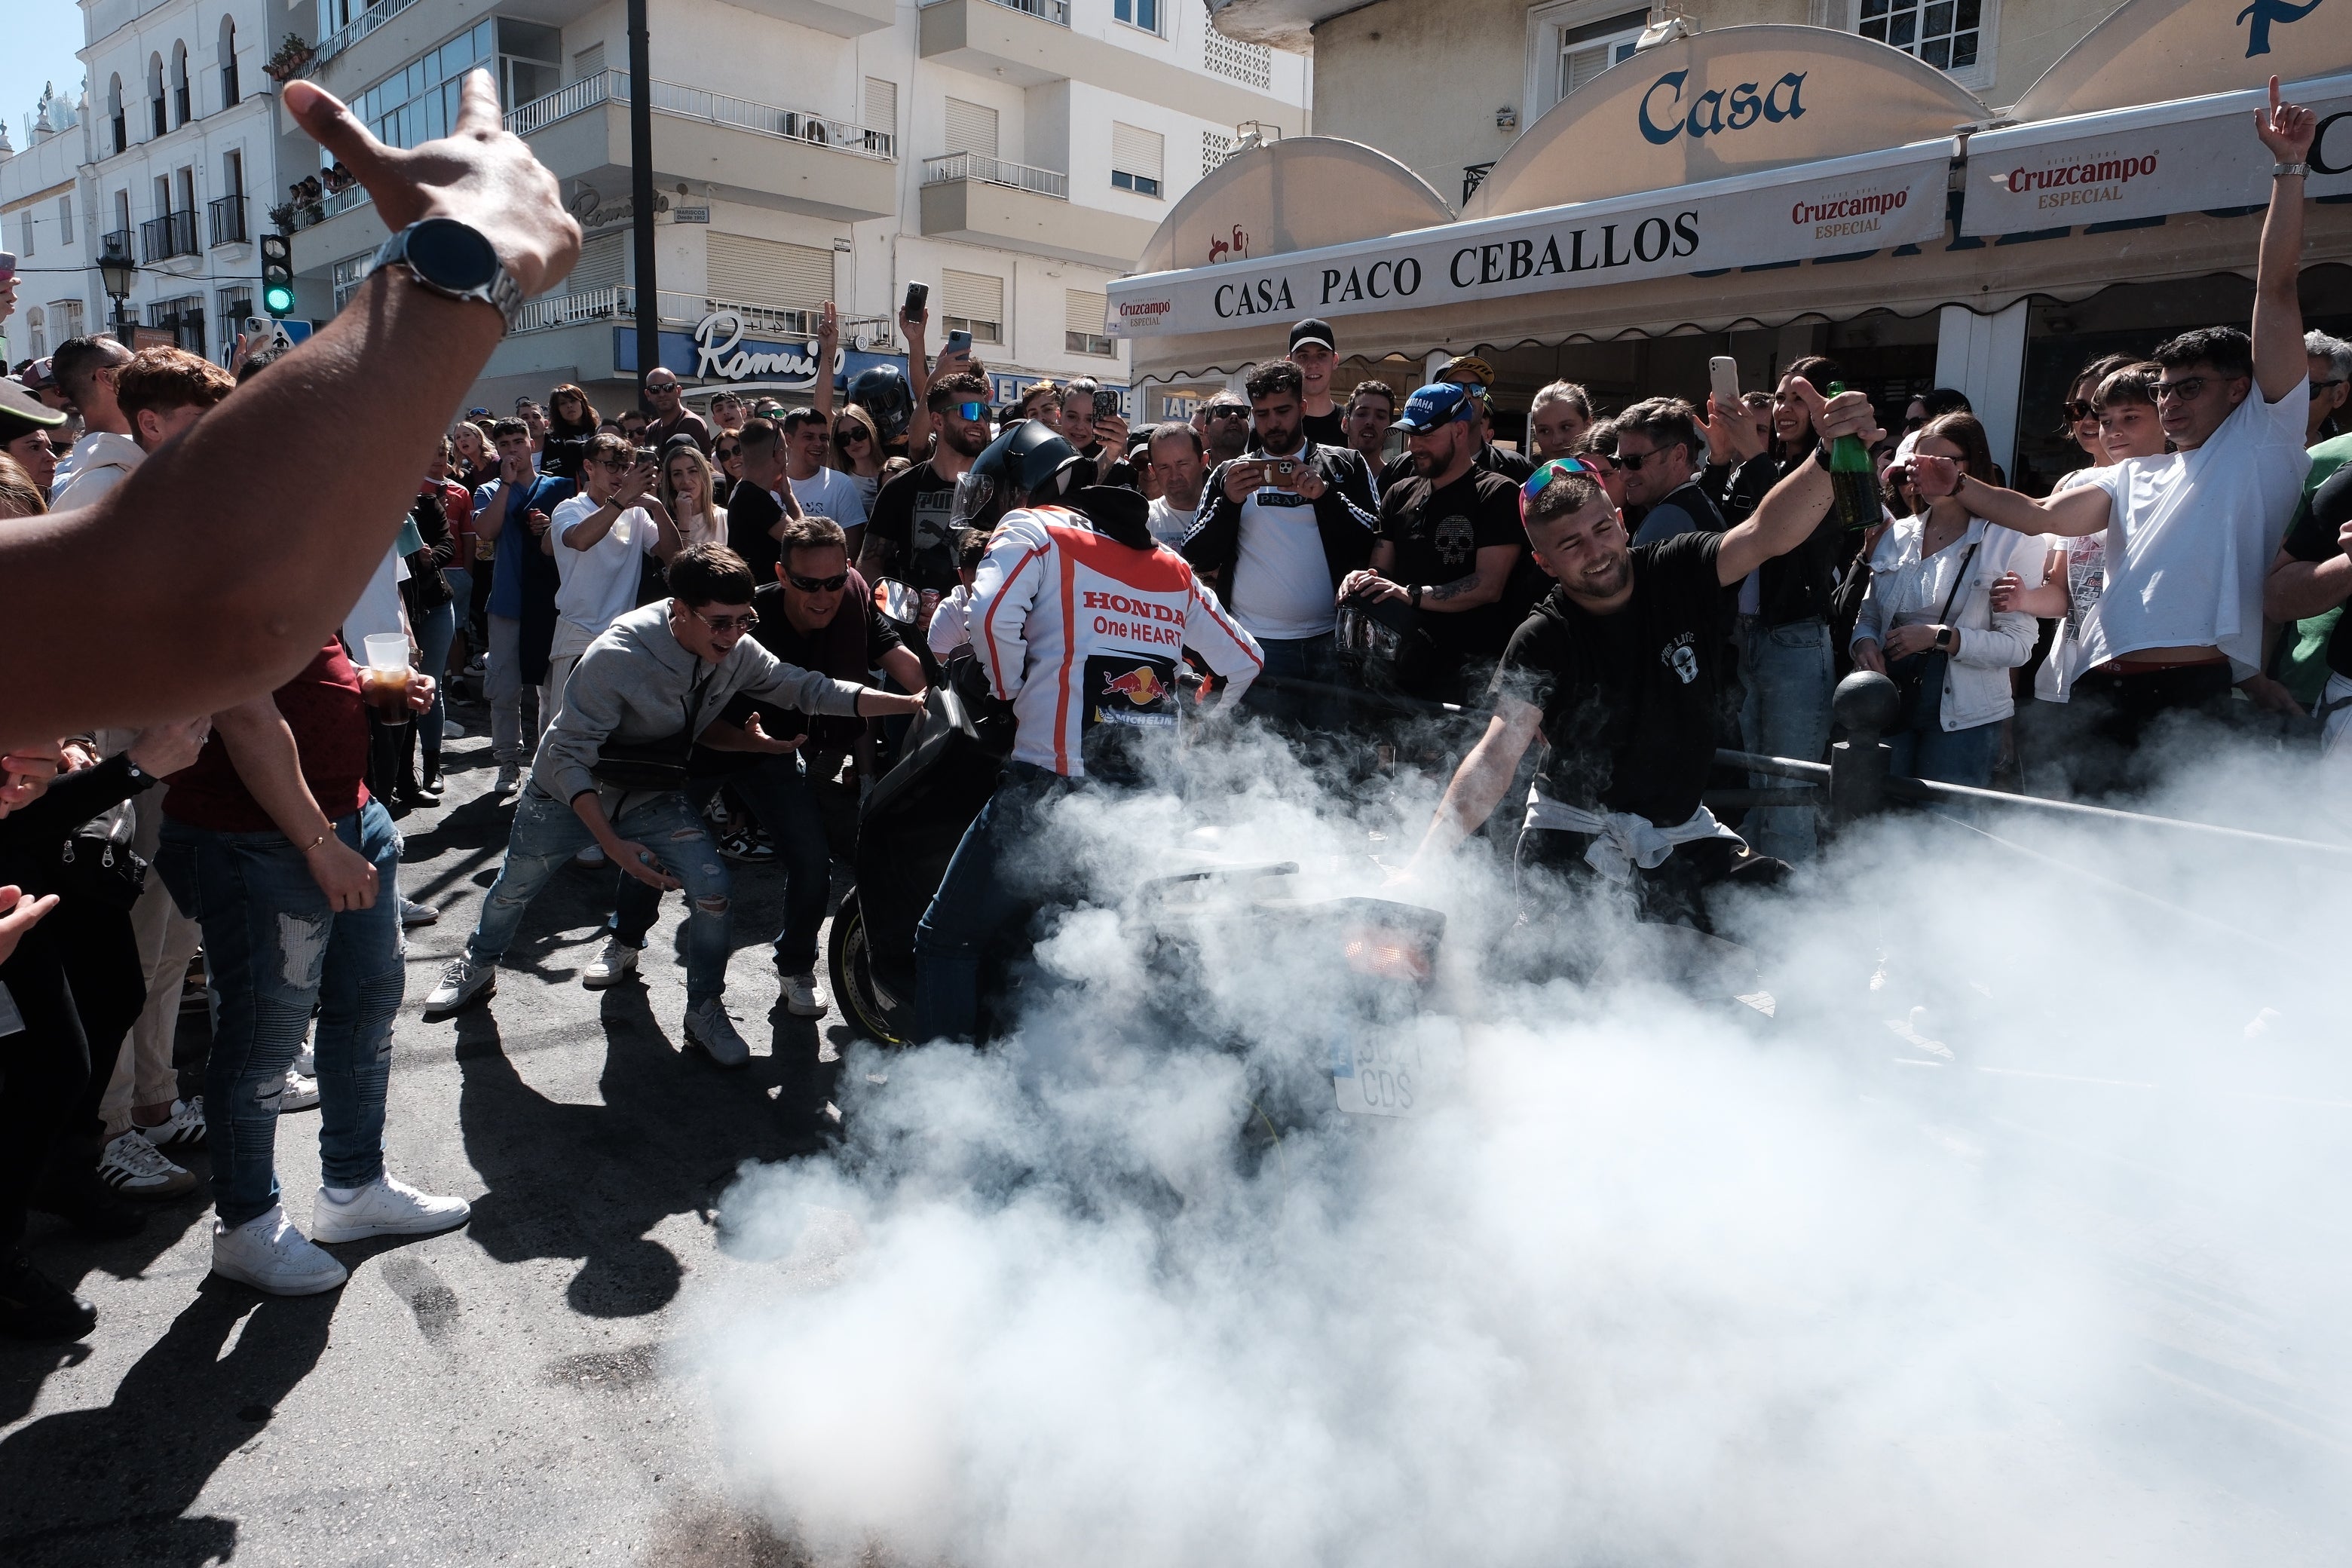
<point x="1473" y="176"/>
<point x="1055" y="11"/>
<point x="358" y="27"/>
<point x="713" y="109"/>
<point x="995" y="172"/>
<point x="174" y="234"/>
<point x="114" y="242"/>
<point x="312" y="214"/>
<point x="620" y="304"/>
<point x="227" y="215"/>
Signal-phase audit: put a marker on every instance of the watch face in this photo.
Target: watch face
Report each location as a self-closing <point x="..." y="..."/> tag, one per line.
<point x="451" y="255"/>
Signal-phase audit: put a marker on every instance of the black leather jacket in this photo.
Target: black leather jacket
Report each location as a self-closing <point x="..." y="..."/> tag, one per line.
<point x="1347" y="516"/>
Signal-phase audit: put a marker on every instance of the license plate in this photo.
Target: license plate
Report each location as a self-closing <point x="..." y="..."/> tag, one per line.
<point x="1378" y="1077"/>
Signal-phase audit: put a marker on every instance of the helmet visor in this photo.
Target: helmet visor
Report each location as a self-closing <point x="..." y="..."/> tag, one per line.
<point x="972" y="494"/>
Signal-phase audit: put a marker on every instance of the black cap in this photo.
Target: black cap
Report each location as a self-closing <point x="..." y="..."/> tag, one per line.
<point x="22" y="413"/>
<point x="1314" y="330"/>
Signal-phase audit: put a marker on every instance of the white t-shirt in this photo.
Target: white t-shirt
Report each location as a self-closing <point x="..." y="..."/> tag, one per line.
<point x="1167" y="524"/>
<point x="1282" y="585"/>
<point x="831" y="493"/>
<point x="378" y="609"/>
<point x="2085" y="556"/>
<point x="2191" y="534"/>
<point x="598" y="585"/>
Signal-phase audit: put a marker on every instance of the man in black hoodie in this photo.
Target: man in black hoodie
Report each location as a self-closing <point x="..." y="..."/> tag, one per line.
<point x="1280" y="528"/>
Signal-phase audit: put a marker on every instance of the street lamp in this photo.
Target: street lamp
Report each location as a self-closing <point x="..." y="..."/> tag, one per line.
<point x="115" y="269"/>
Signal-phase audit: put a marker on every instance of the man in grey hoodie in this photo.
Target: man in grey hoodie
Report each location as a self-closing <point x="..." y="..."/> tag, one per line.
<point x="646" y="691"/>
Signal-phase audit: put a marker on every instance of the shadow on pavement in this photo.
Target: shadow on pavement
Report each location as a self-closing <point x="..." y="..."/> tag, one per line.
<point x="96" y="1487"/>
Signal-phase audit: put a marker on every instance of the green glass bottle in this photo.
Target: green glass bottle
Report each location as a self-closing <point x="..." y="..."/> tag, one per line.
<point x="1854" y="483"/>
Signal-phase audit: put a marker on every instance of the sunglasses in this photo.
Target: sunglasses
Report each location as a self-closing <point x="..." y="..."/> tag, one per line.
<point x="2187" y="389"/>
<point x="1228" y="412"/>
<point x="723" y="453"/>
<point x="1632" y="461"/>
<point x="2076" y="411"/>
<point x="742" y="623"/>
<point x="849" y="433"/>
<point x="832" y="585"/>
<point x="967" y="410"/>
<point x="1540" y="480"/>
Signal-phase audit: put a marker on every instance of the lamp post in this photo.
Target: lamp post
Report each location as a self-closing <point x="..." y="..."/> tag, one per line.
<point x="115" y="269"/>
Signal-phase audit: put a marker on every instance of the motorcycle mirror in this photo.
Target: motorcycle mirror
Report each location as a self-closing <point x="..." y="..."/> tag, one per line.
<point x="896" y="602"/>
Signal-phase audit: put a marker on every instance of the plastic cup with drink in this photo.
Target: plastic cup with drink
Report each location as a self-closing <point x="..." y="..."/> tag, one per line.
<point x="385" y="681"/>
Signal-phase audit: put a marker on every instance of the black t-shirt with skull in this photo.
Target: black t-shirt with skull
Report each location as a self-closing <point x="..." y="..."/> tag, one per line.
<point x="1629" y="699"/>
<point x="1438" y="534"/>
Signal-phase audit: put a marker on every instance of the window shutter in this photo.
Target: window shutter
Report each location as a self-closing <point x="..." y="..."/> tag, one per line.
<point x="603" y="264"/>
<point x="589" y="62"/>
<point x="881" y="104"/>
<point x="748" y="272"/>
<point x="974" y="296"/>
<point x="1136" y="152"/>
<point x="1084" y="312"/>
<point x="972" y="128"/>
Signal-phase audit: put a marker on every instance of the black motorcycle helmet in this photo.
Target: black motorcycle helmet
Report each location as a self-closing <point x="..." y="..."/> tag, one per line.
<point x="1029" y="465"/>
<point x="882" y="392"/>
<point x="1382" y="644"/>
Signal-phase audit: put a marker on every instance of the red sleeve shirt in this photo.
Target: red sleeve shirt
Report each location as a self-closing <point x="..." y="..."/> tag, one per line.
<point x="324" y="707"/>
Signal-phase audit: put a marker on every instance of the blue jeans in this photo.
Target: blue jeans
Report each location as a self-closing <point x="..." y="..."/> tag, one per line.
<point x="548" y="833"/>
<point x="1295" y="658"/>
<point x="1946" y="756"/>
<point x="1785" y="713"/>
<point x="275" y="948"/>
<point x="778" y="793"/>
<point x="981" y="902"/>
<point x="435" y="632"/>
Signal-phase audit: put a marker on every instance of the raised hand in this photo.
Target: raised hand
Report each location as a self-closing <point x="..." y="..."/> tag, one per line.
<point x="2286" y="128"/>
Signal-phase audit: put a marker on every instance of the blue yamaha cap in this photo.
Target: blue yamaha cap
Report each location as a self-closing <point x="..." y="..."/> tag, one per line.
<point x="1433" y="405"/>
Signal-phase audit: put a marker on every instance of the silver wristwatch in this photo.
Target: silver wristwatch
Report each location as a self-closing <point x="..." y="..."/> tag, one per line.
<point x="2281" y="171"/>
<point x="454" y="259"/>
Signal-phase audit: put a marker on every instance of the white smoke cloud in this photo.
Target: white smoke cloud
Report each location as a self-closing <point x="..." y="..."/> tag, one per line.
<point x="2017" y="1233"/>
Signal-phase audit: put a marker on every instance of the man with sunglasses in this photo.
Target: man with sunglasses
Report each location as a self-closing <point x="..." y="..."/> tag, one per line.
<point x="1662" y="452"/>
<point x="1477" y="377"/>
<point x="2330" y="359"/>
<point x="612" y="771"/>
<point x="908" y="535"/>
<point x="666" y="397"/>
<point x="822" y="491"/>
<point x="1449" y="543"/>
<point x="1223" y="422"/>
<point x="2191" y="534"/>
<point x="817" y="615"/>
<point x="1618" y="670"/>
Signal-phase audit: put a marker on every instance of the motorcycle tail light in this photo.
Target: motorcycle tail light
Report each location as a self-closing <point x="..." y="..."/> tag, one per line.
<point x="1388" y="954"/>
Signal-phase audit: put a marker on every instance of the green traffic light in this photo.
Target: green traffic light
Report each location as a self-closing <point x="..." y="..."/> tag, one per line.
<point x="277" y="302"/>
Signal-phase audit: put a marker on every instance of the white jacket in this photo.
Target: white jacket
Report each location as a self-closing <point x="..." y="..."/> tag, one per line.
<point x="1075" y="629"/>
<point x="1907" y="590"/>
<point x="101" y="460"/>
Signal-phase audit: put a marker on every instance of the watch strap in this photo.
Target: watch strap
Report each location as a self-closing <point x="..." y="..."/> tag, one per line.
<point x="2281" y="171"/>
<point x="502" y="293"/>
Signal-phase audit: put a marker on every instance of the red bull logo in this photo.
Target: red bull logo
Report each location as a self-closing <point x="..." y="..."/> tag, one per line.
<point x="1140" y="686"/>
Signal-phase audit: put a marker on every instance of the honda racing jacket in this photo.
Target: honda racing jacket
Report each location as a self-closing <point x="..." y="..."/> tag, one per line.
<point x="1081" y="621"/>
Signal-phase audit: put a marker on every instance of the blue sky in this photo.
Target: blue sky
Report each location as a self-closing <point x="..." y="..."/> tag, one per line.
<point x="42" y="37"/>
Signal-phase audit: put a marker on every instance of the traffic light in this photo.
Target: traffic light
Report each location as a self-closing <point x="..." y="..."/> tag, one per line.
<point x="276" y="275"/>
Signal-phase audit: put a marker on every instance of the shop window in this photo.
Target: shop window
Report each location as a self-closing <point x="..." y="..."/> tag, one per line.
<point x="1953" y="36"/>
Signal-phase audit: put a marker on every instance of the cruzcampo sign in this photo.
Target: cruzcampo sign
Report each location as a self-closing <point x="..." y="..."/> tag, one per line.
<point x="1840" y="207"/>
<point x="1724" y="103"/>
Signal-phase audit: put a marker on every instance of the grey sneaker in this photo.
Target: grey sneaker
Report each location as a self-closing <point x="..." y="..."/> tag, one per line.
<point x="708" y="1025"/>
<point x="461" y="983"/>
<point x="412" y="913"/>
<point x="510" y="779"/>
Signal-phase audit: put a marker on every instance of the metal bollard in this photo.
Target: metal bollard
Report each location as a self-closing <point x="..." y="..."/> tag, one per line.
<point x="1865" y="704"/>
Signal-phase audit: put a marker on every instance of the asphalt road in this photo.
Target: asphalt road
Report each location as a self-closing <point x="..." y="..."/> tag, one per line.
<point x="501" y="1394"/>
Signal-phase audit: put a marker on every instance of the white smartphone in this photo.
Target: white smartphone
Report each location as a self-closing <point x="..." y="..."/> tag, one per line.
<point x="1723" y="374"/>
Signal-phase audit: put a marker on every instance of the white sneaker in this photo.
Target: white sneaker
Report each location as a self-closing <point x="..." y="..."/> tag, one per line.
<point x="412" y="913"/>
<point x="708" y="1025"/>
<point x="306" y="1061"/>
<point x="300" y="1093"/>
<point x="184" y="1128"/>
<point x="615" y="963"/>
<point x="510" y="779"/>
<point x="385" y="1206"/>
<point x="133" y="1167"/>
<point x="461" y="982"/>
<point x="452" y="730"/>
<point x="269" y="1254"/>
<point x="591" y="856"/>
<point x="801" y="997"/>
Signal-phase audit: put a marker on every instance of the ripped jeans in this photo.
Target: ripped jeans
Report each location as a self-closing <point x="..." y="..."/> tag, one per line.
<point x="548" y="833"/>
<point x="275" y="948"/>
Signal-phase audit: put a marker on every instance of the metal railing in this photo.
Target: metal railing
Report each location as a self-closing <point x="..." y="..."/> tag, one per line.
<point x="1055" y="11"/>
<point x="309" y="215"/>
<point x="995" y="172"/>
<point x="115" y="242"/>
<point x="174" y="234"/>
<point x="358" y="27"/>
<point x="1474" y="175"/>
<point x="619" y="303"/>
<point x="227" y="215"/>
<point x="713" y="109"/>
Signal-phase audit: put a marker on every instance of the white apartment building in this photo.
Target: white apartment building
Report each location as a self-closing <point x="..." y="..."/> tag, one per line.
<point x="41" y="207"/>
<point x="1013" y="154"/>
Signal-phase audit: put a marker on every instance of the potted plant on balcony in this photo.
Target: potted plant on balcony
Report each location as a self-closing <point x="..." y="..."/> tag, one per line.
<point x="281" y="217"/>
<point x="291" y="57"/>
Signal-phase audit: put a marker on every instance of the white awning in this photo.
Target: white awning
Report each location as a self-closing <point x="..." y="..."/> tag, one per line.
<point x="1838" y="206"/>
<point x="2200" y="154"/>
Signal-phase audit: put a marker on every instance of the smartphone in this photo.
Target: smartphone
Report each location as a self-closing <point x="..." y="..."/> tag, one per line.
<point x="1286" y="473"/>
<point x="1723" y="374"/>
<point x="1105" y="402"/>
<point x="959" y="342"/>
<point x="918" y="296"/>
<point x="8" y="265"/>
